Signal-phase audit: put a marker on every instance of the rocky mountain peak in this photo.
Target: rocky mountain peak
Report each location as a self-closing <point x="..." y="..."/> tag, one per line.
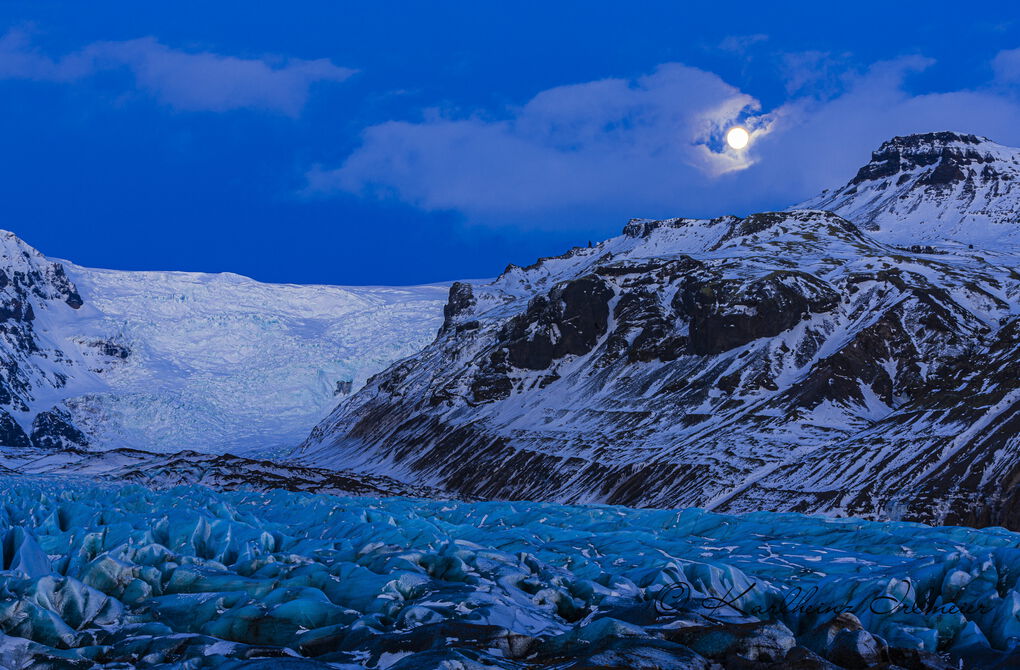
<point x="941" y="186"/>
<point x="946" y="152"/>
<point x="26" y="276"/>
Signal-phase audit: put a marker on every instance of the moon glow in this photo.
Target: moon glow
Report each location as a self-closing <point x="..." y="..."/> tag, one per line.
<point x="737" y="137"/>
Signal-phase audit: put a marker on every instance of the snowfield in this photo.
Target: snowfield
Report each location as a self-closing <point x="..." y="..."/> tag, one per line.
<point x="122" y="576"/>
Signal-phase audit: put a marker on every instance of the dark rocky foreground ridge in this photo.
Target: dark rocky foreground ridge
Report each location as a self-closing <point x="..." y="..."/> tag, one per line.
<point x="221" y="472"/>
<point x="780" y="361"/>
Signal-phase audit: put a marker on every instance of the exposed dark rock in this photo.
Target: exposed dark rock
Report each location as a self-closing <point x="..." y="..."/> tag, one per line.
<point x="946" y="172"/>
<point x="915" y="659"/>
<point x="461" y="300"/>
<point x="492" y="386"/>
<point x="11" y="433"/>
<point x="913" y="151"/>
<point x="15" y="310"/>
<point x="821" y="637"/>
<point x="801" y="658"/>
<point x="30" y="366"/>
<point x="626" y="654"/>
<point x="641" y="312"/>
<point x="755" y="223"/>
<point x="53" y="429"/>
<point x="726" y="314"/>
<point x="112" y="349"/>
<point x="857" y="650"/>
<point x="569" y="320"/>
<point x="768" y="642"/>
<point x="839" y="377"/>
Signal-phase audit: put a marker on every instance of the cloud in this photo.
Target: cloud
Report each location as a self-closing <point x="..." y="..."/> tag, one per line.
<point x="652" y="146"/>
<point x="741" y="44"/>
<point x="819" y="143"/>
<point x="184" y="80"/>
<point x="817" y="73"/>
<point x="1006" y="65"/>
<point x="613" y="137"/>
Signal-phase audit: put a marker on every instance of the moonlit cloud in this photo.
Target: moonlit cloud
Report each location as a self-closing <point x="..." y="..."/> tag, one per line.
<point x="568" y="146"/>
<point x="183" y="80"/>
<point x="653" y="146"/>
<point x="820" y="143"/>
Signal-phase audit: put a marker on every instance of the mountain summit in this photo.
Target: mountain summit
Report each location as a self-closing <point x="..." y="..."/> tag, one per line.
<point x="944" y="186"/>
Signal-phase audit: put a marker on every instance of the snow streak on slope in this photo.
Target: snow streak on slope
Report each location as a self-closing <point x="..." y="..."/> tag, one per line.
<point x="99" y="576"/>
<point x="217" y="362"/>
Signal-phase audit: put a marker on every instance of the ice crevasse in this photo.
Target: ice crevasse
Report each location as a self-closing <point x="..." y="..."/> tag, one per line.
<point x="100" y="575"/>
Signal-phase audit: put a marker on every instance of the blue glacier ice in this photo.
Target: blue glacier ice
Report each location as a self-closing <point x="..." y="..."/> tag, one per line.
<point x="101" y="575"/>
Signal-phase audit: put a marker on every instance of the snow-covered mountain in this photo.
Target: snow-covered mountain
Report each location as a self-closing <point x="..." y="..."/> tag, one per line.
<point x="168" y="361"/>
<point x="223" y="472"/>
<point x="792" y="360"/>
<point x="935" y="187"/>
<point x="36" y="360"/>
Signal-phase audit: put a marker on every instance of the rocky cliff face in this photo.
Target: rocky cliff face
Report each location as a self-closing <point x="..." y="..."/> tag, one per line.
<point x="37" y="365"/>
<point x="786" y="361"/>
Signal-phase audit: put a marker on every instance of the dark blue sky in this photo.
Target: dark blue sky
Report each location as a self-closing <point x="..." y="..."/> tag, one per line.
<point x="404" y="142"/>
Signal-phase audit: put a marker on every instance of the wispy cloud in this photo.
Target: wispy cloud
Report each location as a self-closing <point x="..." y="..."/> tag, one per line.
<point x="184" y="80"/>
<point x="741" y="44"/>
<point x="1006" y="65"/>
<point x="652" y="146"/>
<point x="819" y="74"/>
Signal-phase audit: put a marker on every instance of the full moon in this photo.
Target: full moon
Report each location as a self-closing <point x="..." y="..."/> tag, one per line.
<point x="737" y="137"/>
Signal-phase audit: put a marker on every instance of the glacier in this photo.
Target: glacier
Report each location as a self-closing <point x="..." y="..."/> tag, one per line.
<point x="102" y="575"/>
<point x="174" y="361"/>
<point x="221" y="362"/>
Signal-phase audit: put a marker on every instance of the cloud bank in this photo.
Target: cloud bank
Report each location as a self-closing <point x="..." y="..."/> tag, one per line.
<point x="183" y="80"/>
<point x="652" y="146"/>
<point x="607" y="139"/>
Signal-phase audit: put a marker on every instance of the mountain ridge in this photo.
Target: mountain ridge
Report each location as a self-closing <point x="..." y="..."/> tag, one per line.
<point x="797" y="358"/>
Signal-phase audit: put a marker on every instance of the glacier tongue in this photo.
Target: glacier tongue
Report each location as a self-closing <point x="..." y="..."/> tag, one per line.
<point x="218" y="362"/>
<point x="103" y="576"/>
<point x="169" y="361"/>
